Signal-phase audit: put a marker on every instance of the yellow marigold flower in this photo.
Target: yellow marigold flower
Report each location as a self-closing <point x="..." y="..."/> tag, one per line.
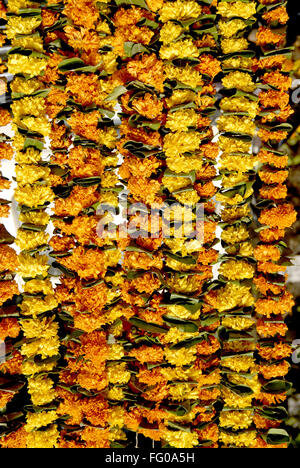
<point x="230" y="28"/>
<point x="117" y="374"/>
<point x="238" y="62"/>
<point x="20" y="64"/>
<point x="237" y="323"/>
<point x="174" y="335"/>
<point x="180" y="439"/>
<point x="184" y="163"/>
<point x="169" y="32"/>
<point x="252" y="382"/>
<point x="31" y="368"/>
<point x="239" y="363"/>
<point x="186" y="75"/>
<point x="234" y="179"/>
<point x="33" y="196"/>
<point x="30" y="156"/>
<point x="115" y="393"/>
<point x="41" y="390"/>
<point x="181" y="120"/>
<point x="40" y="328"/>
<point x="231" y="214"/>
<point x="233" y="295"/>
<point x="178" y="143"/>
<point x="243" y="439"/>
<point x="21" y="85"/>
<point x="232" y="234"/>
<point x="234" y="162"/>
<point x="29" y="174"/>
<point x="246" y="249"/>
<point x="234" y="45"/>
<point x="13" y="6"/>
<point x="239" y="80"/>
<point x="237" y="9"/>
<point x="233" y="400"/>
<point x="187" y="198"/>
<point x="35" y="217"/>
<point x="180" y="49"/>
<point x="40" y="125"/>
<point x="45" y="347"/>
<point x="182" y="312"/>
<point x="28" y="240"/>
<point x="179" y="10"/>
<point x="237" y="269"/>
<point x="180" y="96"/>
<point x="109" y="179"/>
<point x="228" y="145"/>
<point x="37" y="420"/>
<point x="234" y="123"/>
<point x="31" y="267"/>
<point x="183" y="391"/>
<point x="35" y="305"/>
<point x="34" y="106"/>
<point x="116" y="416"/>
<point x="116" y="352"/>
<point x="181" y="357"/>
<point x="180" y="373"/>
<point x="240" y="104"/>
<point x="43" y="439"/>
<point x="17" y="25"/>
<point x="108" y="137"/>
<point x="175" y="183"/>
<point x="29" y="42"/>
<point x="236" y="419"/>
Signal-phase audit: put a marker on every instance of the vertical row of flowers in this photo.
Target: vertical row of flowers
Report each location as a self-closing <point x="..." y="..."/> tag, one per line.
<point x="275" y="216"/>
<point x="83" y="161"/>
<point x="11" y="382"/>
<point x="169" y="167"/>
<point x="40" y="344"/>
<point x="239" y="107"/>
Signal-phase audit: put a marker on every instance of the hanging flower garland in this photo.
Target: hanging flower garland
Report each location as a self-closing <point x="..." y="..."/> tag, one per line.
<point x="81" y="107"/>
<point x="276" y="215"/>
<point x="239" y="107"/>
<point x="164" y="93"/>
<point x="40" y="345"/>
<point x="11" y="382"/>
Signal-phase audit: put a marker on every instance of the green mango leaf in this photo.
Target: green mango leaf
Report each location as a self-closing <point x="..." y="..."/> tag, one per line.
<point x="150" y="327"/>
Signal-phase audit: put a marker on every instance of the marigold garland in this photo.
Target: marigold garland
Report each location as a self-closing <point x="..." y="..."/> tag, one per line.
<point x="126" y="336"/>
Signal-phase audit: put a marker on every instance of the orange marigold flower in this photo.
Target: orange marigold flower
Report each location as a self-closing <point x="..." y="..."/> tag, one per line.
<point x="273" y="98"/>
<point x="4" y="211"/>
<point x="15" y="439"/>
<point x="269" y="176"/>
<point x="82" y="12"/>
<point x="84" y="89"/>
<point x="80" y="198"/>
<point x="144" y="190"/>
<point x="206" y="190"/>
<point x="207" y="40"/>
<point x="8" y="258"/>
<point x="264" y="253"/>
<point x="87" y="263"/>
<point x="210" y="432"/>
<point x="95" y="437"/>
<point x="149" y="106"/>
<point x="275" y="370"/>
<point x="86" y="125"/>
<point x="278" y="15"/>
<point x="7" y="290"/>
<point x="278" y="351"/>
<point x="49" y="17"/>
<point x="5" y="117"/>
<point x="268" y="157"/>
<point x="52" y="72"/>
<point x="147" y="283"/>
<point x="142" y="261"/>
<point x="267" y="329"/>
<point x="5" y="398"/>
<point x="280" y="306"/>
<point x="147" y="69"/>
<point x="132" y="33"/>
<point x="151" y="377"/>
<point x="267" y="36"/>
<point x="278" y="80"/>
<point x="9" y="327"/>
<point x="209" y="346"/>
<point x="260" y="443"/>
<point x="158" y="393"/>
<point x="208" y="171"/>
<point x="149" y="354"/>
<point x="271" y="235"/>
<point x="207" y="257"/>
<point x="13" y="366"/>
<point x="6" y="151"/>
<point x="55" y="102"/>
<point x="263" y="423"/>
<point x="209" y="65"/>
<point x="62" y="244"/>
<point x="269" y="399"/>
<point x="265" y="286"/>
<point x="282" y="216"/>
<point x="85" y="162"/>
